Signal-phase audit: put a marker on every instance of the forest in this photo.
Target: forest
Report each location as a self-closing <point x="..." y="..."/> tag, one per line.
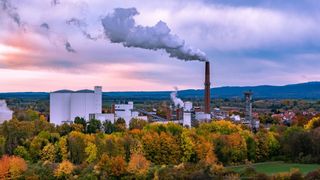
<point x="35" y="149"/>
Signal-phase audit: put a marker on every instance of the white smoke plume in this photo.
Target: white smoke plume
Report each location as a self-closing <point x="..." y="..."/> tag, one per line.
<point x="55" y="2"/>
<point x="45" y="26"/>
<point x="10" y="10"/>
<point x="120" y="27"/>
<point x="176" y="101"/>
<point x="82" y="25"/>
<point x="69" y="47"/>
<point x="56" y="38"/>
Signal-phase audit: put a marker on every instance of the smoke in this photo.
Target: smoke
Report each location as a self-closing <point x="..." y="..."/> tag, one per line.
<point x="3" y="106"/>
<point x="11" y="11"/>
<point x="120" y="27"/>
<point x="55" y="2"/>
<point x="82" y="27"/>
<point x="54" y="37"/>
<point x="69" y="47"/>
<point x="45" y="26"/>
<point x="177" y="101"/>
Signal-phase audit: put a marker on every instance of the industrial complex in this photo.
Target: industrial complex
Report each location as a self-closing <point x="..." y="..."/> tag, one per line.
<point x="66" y="105"/>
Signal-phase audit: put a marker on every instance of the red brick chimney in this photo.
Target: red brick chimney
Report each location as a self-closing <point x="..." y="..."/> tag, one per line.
<point x="207" y="98"/>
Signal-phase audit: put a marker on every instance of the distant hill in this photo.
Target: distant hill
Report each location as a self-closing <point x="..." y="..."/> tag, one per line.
<point x="309" y="90"/>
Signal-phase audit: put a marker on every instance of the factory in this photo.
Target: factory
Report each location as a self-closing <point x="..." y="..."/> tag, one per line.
<point x="5" y="112"/>
<point x="66" y="105"/>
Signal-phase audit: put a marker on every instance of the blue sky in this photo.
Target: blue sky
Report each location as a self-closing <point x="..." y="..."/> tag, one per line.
<point x="247" y="42"/>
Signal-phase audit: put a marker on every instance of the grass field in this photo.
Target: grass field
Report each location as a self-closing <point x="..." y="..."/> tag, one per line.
<point x="277" y="167"/>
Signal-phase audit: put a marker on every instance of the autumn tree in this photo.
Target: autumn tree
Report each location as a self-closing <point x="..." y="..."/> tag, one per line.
<point x="120" y="125"/>
<point x="138" y="165"/>
<point x="91" y="151"/>
<point x="64" y="170"/>
<point x="231" y="148"/>
<point x="161" y="149"/>
<point x="137" y="124"/>
<point x="12" y="167"/>
<point x="48" y="153"/>
<point x="76" y="146"/>
<point x="82" y="121"/>
<point x="63" y="148"/>
<point x="313" y="123"/>
<point x="110" y="167"/>
<point x="22" y="152"/>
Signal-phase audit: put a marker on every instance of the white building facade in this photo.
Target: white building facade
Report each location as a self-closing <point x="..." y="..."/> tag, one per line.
<point x="5" y="112"/>
<point x="66" y="105"/>
<point x="126" y="112"/>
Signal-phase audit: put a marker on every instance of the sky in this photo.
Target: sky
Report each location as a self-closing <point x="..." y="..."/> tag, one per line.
<point x="247" y="43"/>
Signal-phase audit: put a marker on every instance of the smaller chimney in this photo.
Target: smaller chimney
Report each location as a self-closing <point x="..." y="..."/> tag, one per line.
<point x="168" y="114"/>
<point x="113" y="109"/>
<point x="178" y="113"/>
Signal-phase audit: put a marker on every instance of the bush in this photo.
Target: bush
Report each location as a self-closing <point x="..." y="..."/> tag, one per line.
<point x="313" y="175"/>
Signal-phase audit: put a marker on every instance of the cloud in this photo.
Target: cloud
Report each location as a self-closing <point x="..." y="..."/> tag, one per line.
<point x="249" y="42"/>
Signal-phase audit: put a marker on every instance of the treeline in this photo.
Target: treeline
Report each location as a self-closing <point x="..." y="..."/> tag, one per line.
<point x="36" y="149"/>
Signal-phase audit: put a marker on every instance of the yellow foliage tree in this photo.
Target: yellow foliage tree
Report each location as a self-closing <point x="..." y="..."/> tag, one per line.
<point x="64" y="169"/>
<point x="63" y="148"/>
<point x="91" y="151"/>
<point x="313" y="123"/>
<point x="48" y="153"/>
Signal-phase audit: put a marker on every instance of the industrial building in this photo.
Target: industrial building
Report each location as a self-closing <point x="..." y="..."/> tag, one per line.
<point x="126" y="112"/>
<point x="66" y="105"/>
<point x="5" y="112"/>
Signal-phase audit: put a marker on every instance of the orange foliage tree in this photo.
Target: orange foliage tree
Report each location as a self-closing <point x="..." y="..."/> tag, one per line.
<point x="12" y="167"/>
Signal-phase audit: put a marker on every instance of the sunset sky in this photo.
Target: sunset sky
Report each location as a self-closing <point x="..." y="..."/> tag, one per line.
<point x="253" y="43"/>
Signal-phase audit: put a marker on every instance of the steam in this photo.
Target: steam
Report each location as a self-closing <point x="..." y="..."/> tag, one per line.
<point x="120" y="27"/>
<point x="45" y="26"/>
<point x="69" y="47"/>
<point x="177" y="101"/>
<point x="11" y="11"/>
<point x="55" y="2"/>
<point x="57" y="38"/>
<point x="3" y="106"/>
<point x="82" y="27"/>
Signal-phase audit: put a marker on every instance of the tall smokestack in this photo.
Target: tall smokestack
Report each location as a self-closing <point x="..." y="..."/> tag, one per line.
<point x="207" y="88"/>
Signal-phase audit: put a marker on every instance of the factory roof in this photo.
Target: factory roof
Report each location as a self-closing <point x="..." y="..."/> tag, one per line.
<point x="70" y="91"/>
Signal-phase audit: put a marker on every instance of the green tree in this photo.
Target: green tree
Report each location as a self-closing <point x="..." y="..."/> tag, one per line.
<point x="120" y="125"/>
<point x="2" y="145"/>
<point x="94" y="126"/>
<point x="82" y="121"/>
<point x="77" y="145"/>
<point x="137" y="124"/>
<point x="109" y="127"/>
<point x="22" y="152"/>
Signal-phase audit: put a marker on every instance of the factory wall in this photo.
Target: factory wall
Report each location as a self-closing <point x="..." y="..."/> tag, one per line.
<point x="83" y="104"/>
<point x="66" y="106"/>
<point x="60" y="107"/>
